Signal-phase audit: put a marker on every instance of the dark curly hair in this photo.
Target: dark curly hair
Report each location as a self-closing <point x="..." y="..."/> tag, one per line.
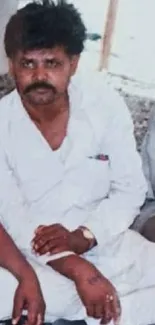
<point x="45" y="24"/>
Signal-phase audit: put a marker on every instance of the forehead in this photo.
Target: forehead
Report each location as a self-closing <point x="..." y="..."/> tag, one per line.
<point x="41" y="54"/>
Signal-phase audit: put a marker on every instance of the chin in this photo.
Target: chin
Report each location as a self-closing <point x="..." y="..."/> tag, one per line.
<point x="40" y="100"/>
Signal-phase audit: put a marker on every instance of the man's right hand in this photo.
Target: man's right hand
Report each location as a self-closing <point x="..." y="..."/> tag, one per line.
<point x="96" y="292"/>
<point x="28" y="296"/>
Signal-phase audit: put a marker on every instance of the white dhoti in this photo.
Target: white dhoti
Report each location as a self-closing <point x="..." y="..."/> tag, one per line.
<point x="95" y="179"/>
<point x="62" y="300"/>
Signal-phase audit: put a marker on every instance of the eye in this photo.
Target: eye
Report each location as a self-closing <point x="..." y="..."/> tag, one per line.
<point x="53" y="64"/>
<point x="28" y="64"/>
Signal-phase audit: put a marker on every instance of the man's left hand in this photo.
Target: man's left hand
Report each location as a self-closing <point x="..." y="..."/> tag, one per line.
<point x="56" y="238"/>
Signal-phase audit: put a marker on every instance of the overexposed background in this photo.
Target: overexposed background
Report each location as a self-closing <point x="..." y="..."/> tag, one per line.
<point x="132" y="59"/>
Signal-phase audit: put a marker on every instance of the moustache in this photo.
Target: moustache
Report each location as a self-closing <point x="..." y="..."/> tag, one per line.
<point x="38" y="85"/>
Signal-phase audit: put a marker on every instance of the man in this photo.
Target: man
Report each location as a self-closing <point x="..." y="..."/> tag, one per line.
<point x="145" y="222"/>
<point x="71" y="183"/>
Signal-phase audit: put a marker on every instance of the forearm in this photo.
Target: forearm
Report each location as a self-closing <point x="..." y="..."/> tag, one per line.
<point x="72" y="266"/>
<point x="11" y="258"/>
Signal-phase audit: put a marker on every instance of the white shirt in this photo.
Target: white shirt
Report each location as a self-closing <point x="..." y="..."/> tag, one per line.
<point x="71" y="186"/>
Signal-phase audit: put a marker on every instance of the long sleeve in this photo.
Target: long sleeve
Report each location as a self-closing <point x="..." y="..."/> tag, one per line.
<point x="14" y="213"/>
<point x="128" y="188"/>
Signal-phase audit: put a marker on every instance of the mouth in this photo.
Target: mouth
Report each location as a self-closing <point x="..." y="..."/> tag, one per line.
<point x="41" y="91"/>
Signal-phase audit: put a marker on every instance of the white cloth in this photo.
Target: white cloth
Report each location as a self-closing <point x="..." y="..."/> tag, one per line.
<point x="42" y="186"/>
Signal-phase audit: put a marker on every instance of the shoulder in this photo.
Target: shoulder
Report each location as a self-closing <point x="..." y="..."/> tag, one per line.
<point x="101" y="102"/>
<point x="7" y="104"/>
<point x="7" y="101"/>
<point x="101" y="96"/>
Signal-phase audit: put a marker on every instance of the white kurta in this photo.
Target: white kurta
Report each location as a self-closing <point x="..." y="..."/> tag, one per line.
<point x="70" y="186"/>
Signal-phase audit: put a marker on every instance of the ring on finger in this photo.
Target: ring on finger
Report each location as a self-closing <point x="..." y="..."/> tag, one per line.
<point x="109" y="298"/>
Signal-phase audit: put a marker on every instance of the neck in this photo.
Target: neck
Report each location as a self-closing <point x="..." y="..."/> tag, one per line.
<point x="49" y="112"/>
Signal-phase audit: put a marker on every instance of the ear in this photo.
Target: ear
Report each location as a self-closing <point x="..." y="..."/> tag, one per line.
<point x="11" y="70"/>
<point x="74" y="63"/>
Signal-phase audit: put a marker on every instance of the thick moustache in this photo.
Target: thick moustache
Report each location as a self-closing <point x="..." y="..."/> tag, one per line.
<point x="40" y="87"/>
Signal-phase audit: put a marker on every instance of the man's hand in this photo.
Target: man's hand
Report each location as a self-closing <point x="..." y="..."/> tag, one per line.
<point x="56" y="238"/>
<point x="96" y="292"/>
<point x="98" y="295"/>
<point x="28" y="296"/>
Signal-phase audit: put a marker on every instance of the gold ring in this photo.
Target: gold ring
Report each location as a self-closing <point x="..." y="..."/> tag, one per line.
<point x="109" y="298"/>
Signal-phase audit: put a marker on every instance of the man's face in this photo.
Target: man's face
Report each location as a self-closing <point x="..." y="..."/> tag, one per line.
<point x="42" y="76"/>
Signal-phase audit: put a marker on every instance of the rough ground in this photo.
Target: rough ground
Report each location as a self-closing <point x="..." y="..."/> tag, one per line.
<point x="140" y="107"/>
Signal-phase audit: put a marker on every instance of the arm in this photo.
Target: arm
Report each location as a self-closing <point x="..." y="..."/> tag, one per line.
<point x="96" y="292"/>
<point x="116" y="213"/>
<point x="28" y="294"/>
<point x="11" y="258"/>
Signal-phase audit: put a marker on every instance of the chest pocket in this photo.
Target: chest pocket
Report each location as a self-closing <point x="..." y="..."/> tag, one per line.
<point x="90" y="181"/>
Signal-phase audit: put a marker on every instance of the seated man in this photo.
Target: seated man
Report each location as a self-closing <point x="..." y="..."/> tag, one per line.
<point x="145" y="222"/>
<point x="71" y="183"/>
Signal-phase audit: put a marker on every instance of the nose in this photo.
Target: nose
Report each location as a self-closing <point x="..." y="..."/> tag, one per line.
<point x="40" y="73"/>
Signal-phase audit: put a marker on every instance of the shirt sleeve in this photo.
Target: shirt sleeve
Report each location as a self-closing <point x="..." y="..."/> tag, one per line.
<point x="14" y="212"/>
<point x="116" y="213"/>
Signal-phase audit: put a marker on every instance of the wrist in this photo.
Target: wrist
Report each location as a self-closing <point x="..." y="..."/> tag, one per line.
<point x="26" y="273"/>
<point x="79" y="243"/>
<point x="82" y="240"/>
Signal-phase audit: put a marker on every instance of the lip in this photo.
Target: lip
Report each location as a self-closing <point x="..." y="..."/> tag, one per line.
<point x="41" y="90"/>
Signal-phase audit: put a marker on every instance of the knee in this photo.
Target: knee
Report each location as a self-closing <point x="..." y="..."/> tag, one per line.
<point x="148" y="229"/>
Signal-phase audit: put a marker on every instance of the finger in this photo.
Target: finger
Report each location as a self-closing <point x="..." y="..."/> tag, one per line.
<point x="98" y="311"/>
<point x="32" y="314"/>
<point x="49" y="246"/>
<point x="53" y="248"/>
<point x="39" y="229"/>
<point x="39" y="319"/>
<point x="41" y="239"/>
<point x="43" y="249"/>
<point x="52" y="228"/>
<point x="90" y="310"/>
<point x="17" y="309"/>
<point x="107" y="313"/>
<point x="116" y="308"/>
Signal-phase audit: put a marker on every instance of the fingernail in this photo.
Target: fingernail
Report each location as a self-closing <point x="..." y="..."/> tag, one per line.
<point x="117" y="322"/>
<point x="48" y="254"/>
<point x="15" y="321"/>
